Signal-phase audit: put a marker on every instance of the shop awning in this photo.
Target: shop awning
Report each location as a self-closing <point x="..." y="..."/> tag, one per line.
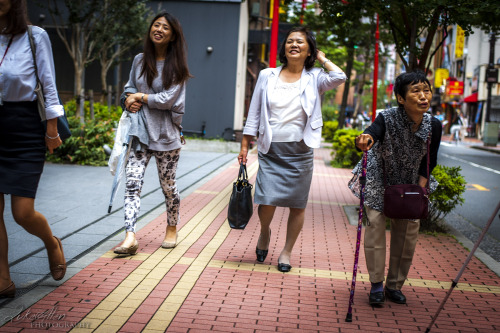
<point x="471" y="98"/>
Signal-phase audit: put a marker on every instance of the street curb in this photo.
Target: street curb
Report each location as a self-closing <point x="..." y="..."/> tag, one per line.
<point x="480" y="254"/>
<point x="491" y="150"/>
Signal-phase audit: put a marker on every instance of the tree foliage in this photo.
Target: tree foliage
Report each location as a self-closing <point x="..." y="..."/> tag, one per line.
<point x="120" y="28"/>
<point x="92" y="29"/>
<point x="414" y="25"/>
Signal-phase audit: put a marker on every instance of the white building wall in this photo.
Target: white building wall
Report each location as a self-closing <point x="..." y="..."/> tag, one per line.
<point x="477" y="52"/>
<point x="241" y="67"/>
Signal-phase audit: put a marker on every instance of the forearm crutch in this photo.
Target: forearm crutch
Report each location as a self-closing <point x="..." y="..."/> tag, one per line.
<point x="455" y="281"/>
<point x="362" y="181"/>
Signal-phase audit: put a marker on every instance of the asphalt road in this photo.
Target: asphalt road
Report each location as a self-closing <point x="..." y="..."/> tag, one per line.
<point x="481" y="170"/>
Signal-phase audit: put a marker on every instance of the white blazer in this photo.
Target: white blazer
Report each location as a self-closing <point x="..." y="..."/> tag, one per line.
<point x="313" y="83"/>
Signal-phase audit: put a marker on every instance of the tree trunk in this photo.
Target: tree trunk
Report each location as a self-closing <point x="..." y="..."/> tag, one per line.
<point x="345" y="95"/>
<point x="104" y="85"/>
<point x="78" y="84"/>
<point x="358" y="107"/>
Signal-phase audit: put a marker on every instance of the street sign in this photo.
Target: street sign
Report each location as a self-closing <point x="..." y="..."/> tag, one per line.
<point x="492" y="75"/>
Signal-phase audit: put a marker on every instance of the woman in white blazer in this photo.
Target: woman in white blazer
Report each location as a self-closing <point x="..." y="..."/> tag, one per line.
<point x="285" y="114"/>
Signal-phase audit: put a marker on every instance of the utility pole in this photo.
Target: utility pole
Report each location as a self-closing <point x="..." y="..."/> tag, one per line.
<point x="375" y="74"/>
<point x="274" y="34"/>
<point x="490" y="76"/>
<point x="304" y="4"/>
<point x="490" y="137"/>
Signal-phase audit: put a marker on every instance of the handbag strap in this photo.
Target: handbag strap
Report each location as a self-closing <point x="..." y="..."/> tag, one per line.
<point x="243" y="174"/>
<point x="428" y="164"/>
<point x="33" y="52"/>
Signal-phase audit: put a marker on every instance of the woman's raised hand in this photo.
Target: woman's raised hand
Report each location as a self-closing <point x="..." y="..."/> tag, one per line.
<point x="321" y="57"/>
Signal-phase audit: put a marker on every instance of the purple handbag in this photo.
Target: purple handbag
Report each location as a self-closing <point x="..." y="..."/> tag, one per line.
<point x="407" y="201"/>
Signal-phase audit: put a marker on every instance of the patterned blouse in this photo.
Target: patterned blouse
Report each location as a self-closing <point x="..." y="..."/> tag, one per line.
<point x="402" y="152"/>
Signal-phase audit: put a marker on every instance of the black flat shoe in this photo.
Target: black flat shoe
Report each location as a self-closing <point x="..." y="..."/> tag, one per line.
<point x="262" y="254"/>
<point x="284" y="267"/>
<point x="395" y="296"/>
<point x="376" y="298"/>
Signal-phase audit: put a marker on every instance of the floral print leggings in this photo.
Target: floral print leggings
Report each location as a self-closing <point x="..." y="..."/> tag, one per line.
<point x="166" y="162"/>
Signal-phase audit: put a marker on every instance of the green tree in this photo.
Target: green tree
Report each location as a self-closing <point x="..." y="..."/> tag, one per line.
<point x="74" y="23"/>
<point x="118" y="31"/>
<point x="91" y="29"/>
<point x="350" y="28"/>
<point x="413" y="25"/>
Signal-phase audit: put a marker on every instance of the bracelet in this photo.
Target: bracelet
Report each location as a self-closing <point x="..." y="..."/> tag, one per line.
<point x="327" y="60"/>
<point x="50" y="137"/>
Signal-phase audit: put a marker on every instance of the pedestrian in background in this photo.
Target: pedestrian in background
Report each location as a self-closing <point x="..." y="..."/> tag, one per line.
<point x="157" y="87"/>
<point x="396" y="141"/>
<point x="286" y="113"/>
<point x="23" y="137"/>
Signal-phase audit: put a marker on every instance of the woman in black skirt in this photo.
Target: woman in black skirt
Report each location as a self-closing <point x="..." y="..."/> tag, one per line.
<point x="286" y="113"/>
<point x="23" y="138"/>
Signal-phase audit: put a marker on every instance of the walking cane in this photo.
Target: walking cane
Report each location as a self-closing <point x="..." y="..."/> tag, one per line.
<point x="362" y="181"/>
<point x="454" y="283"/>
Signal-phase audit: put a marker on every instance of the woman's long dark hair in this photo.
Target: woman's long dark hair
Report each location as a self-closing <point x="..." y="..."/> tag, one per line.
<point x="309" y="63"/>
<point x="17" y="18"/>
<point x="175" y="69"/>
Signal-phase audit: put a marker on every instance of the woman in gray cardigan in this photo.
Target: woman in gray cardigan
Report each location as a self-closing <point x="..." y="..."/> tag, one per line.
<point x="156" y="88"/>
<point x="286" y="113"/>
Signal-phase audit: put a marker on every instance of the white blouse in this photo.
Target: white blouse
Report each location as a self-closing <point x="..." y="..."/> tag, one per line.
<point x="287" y="118"/>
<point x="17" y="72"/>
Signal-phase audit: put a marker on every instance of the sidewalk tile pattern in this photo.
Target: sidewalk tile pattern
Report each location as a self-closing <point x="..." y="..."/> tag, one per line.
<point x="212" y="282"/>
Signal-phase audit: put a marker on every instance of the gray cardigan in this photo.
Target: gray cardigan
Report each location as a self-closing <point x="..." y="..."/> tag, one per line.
<point x="164" y="110"/>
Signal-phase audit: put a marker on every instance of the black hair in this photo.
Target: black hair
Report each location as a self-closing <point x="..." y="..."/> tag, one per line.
<point x="403" y="82"/>
<point x="17" y="18"/>
<point x="309" y="63"/>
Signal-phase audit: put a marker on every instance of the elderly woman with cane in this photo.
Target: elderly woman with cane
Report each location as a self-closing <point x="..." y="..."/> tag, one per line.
<point x="397" y="150"/>
<point x="286" y="113"/>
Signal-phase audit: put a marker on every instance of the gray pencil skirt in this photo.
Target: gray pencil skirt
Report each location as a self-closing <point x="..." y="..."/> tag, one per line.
<point x="285" y="174"/>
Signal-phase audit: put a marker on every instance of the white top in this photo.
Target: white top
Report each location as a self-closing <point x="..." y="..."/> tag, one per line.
<point x="17" y="72"/>
<point x="313" y="83"/>
<point x="287" y="118"/>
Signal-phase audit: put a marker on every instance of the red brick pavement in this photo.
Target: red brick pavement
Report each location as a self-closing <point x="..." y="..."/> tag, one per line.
<point x="232" y="293"/>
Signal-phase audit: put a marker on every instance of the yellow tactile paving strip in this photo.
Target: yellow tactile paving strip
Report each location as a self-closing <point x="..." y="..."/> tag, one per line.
<point x="339" y="275"/>
<point x="114" y="311"/>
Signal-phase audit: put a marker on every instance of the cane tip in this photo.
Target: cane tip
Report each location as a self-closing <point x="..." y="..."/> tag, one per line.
<point x="109" y="209"/>
<point x="427" y="330"/>
<point x="348" y="318"/>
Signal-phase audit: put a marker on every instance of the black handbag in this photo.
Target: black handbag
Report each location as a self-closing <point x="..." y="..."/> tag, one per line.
<point x="240" y="207"/>
<point x="407" y="201"/>
<point x="62" y="122"/>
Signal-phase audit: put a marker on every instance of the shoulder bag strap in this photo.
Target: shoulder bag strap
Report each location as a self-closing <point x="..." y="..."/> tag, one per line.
<point x="33" y="49"/>
<point x="428" y="161"/>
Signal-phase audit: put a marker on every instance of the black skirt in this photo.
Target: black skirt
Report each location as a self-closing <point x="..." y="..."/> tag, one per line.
<point x="22" y="148"/>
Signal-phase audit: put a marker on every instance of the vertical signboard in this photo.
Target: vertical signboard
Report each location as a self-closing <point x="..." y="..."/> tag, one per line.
<point x="459" y="42"/>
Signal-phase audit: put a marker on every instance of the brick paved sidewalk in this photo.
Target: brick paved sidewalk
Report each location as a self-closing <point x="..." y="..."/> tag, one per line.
<point x="212" y="282"/>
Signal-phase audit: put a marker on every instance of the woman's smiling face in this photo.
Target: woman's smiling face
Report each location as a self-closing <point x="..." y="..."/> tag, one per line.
<point x="160" y="33"/>
<point x="296" y="47"/>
